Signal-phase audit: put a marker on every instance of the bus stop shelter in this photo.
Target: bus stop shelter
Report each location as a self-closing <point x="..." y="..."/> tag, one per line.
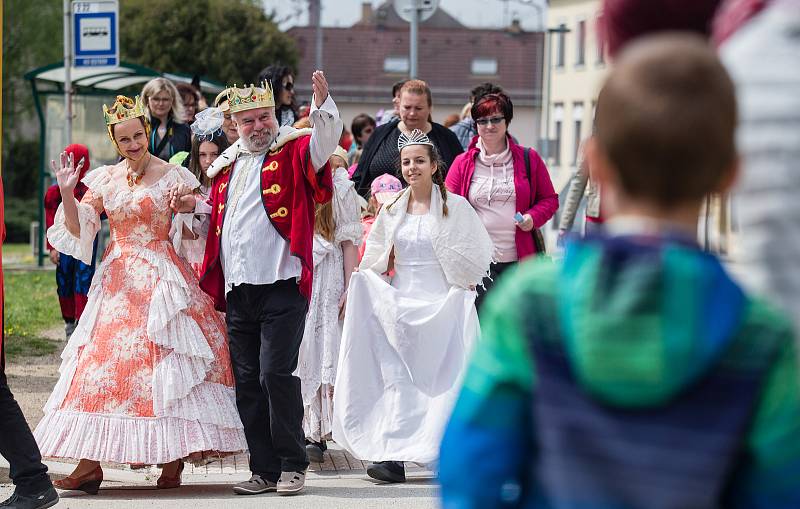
<point x="91" y="89"/>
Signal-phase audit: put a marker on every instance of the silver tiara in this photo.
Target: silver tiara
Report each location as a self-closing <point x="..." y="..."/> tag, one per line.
<point x="416" y="137"/>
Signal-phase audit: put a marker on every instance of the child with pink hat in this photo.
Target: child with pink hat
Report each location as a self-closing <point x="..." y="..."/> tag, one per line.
<point x="382" y="189"/>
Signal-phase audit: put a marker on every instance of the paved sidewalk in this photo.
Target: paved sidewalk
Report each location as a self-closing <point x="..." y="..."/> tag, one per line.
<point x="339" y="482"/>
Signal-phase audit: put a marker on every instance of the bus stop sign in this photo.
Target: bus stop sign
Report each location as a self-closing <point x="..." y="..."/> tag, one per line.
<point x="95" y="29"/>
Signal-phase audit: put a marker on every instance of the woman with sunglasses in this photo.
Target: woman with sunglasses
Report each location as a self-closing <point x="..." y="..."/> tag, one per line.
<point x="510" y="190"/>
<point x="282" y="81"/>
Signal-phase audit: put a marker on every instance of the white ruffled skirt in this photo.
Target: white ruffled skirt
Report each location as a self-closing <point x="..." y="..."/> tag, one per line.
<point x="146" y="376"/>
<point x="404" y="349"/>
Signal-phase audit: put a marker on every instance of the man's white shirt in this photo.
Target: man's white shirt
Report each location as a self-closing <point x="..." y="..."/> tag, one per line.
<point x="252" y="251"/>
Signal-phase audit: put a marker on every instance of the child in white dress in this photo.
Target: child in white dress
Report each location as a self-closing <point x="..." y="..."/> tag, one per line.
<point x="337" y="232"/>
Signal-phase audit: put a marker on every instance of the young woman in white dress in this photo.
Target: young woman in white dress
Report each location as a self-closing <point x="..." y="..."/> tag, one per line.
<point x="405" y="340"/>
<point x="337" y="233"/>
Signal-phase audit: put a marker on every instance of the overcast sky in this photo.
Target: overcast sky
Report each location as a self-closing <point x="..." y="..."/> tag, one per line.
<point x="473" y="13"/>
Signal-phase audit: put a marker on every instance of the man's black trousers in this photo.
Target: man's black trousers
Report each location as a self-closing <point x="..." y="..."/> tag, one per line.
<point x="265" y="328"/>
<point x="18" y="446"/>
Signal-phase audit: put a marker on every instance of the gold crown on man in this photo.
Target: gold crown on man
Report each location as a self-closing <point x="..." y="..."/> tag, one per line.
<point x="249" y="98"/>
<point x="124" y="108"/>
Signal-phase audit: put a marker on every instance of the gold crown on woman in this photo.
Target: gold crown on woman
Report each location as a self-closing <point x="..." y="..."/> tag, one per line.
<point x="124" y="108"/>
<point x="249" y="98"/>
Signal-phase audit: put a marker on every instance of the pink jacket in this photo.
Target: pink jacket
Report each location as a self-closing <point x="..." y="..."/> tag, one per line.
<point x="545" y="202"/>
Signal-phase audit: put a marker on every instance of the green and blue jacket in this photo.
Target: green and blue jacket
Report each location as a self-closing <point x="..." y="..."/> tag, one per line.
<point x="635" y="374"/>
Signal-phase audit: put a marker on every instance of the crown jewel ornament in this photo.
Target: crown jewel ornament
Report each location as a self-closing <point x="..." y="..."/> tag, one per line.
<point x="124" y="108"/>
<point x="416" y="137"/>
<point x="250" y="98"/>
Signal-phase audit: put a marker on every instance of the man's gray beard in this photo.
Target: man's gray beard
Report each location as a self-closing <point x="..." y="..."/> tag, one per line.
<point x="256" y="149"/>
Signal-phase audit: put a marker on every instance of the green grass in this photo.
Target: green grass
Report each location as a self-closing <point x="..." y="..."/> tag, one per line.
<point x="18" y="346"/>
<point x="17" y="254"/>
<point x="31" y="307"/>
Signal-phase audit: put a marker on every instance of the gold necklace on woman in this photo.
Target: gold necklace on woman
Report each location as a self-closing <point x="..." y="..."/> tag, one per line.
<point x="134" y="178"/>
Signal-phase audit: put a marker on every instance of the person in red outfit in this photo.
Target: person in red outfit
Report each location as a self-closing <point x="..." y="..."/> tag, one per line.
<point x="258" y="269"/>
<point x="507" y="184"/>
<point x="73" y="277"/>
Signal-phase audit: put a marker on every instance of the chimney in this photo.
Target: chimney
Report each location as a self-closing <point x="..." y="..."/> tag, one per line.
<point x="366" y="13"/>
<point x="516" y="27"/>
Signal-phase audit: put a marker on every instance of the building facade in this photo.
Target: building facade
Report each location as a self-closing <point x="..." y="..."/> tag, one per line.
<point x="577" y="65"/>
<point x="363" y="61"/>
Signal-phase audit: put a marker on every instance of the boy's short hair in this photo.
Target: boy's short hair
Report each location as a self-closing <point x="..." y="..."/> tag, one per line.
<point x="483" y="89"/>
<point x="666" y="119"/>
<point x="396" y="87"/>
<point x="361" y="122"/>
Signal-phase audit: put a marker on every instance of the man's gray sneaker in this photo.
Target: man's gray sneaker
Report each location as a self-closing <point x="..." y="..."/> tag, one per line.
<point x="291" y="482"/>
<point x="254" y="486"/>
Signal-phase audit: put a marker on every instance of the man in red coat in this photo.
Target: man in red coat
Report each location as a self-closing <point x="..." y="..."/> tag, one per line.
<point x="258" y="268"/>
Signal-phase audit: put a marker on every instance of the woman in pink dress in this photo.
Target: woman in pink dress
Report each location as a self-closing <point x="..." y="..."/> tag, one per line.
<point x="146" y="376"/>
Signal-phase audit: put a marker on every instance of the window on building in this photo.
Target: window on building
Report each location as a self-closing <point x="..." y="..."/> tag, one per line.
<point x="557" y="144"/>
<point x="580" y="43"/>
<point x="484" y="66"/>
<point x="601" y="45"/>
<point x="561" y="43"/>
<point x="577" y="117"/>
<point x="558" y="119"/>
<point x="395" y="65"/>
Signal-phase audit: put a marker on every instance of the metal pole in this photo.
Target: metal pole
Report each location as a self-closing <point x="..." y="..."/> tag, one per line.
<point x="316" y="5"/>
<point x="546" y="127"/>
<point x="413" y="36"/>
<point x="42" y="169"/>
<point x="67" y="74"/>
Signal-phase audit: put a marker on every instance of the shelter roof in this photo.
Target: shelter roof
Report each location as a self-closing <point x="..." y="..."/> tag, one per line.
<point x="110" y="79"/>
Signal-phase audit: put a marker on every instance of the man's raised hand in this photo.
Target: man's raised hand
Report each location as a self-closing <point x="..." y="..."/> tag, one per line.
<point x="320" y="86"/>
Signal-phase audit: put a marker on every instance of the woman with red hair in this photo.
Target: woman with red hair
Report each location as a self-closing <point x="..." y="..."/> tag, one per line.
<point x="508" y="185"/>
<point x="622" y="21"/>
